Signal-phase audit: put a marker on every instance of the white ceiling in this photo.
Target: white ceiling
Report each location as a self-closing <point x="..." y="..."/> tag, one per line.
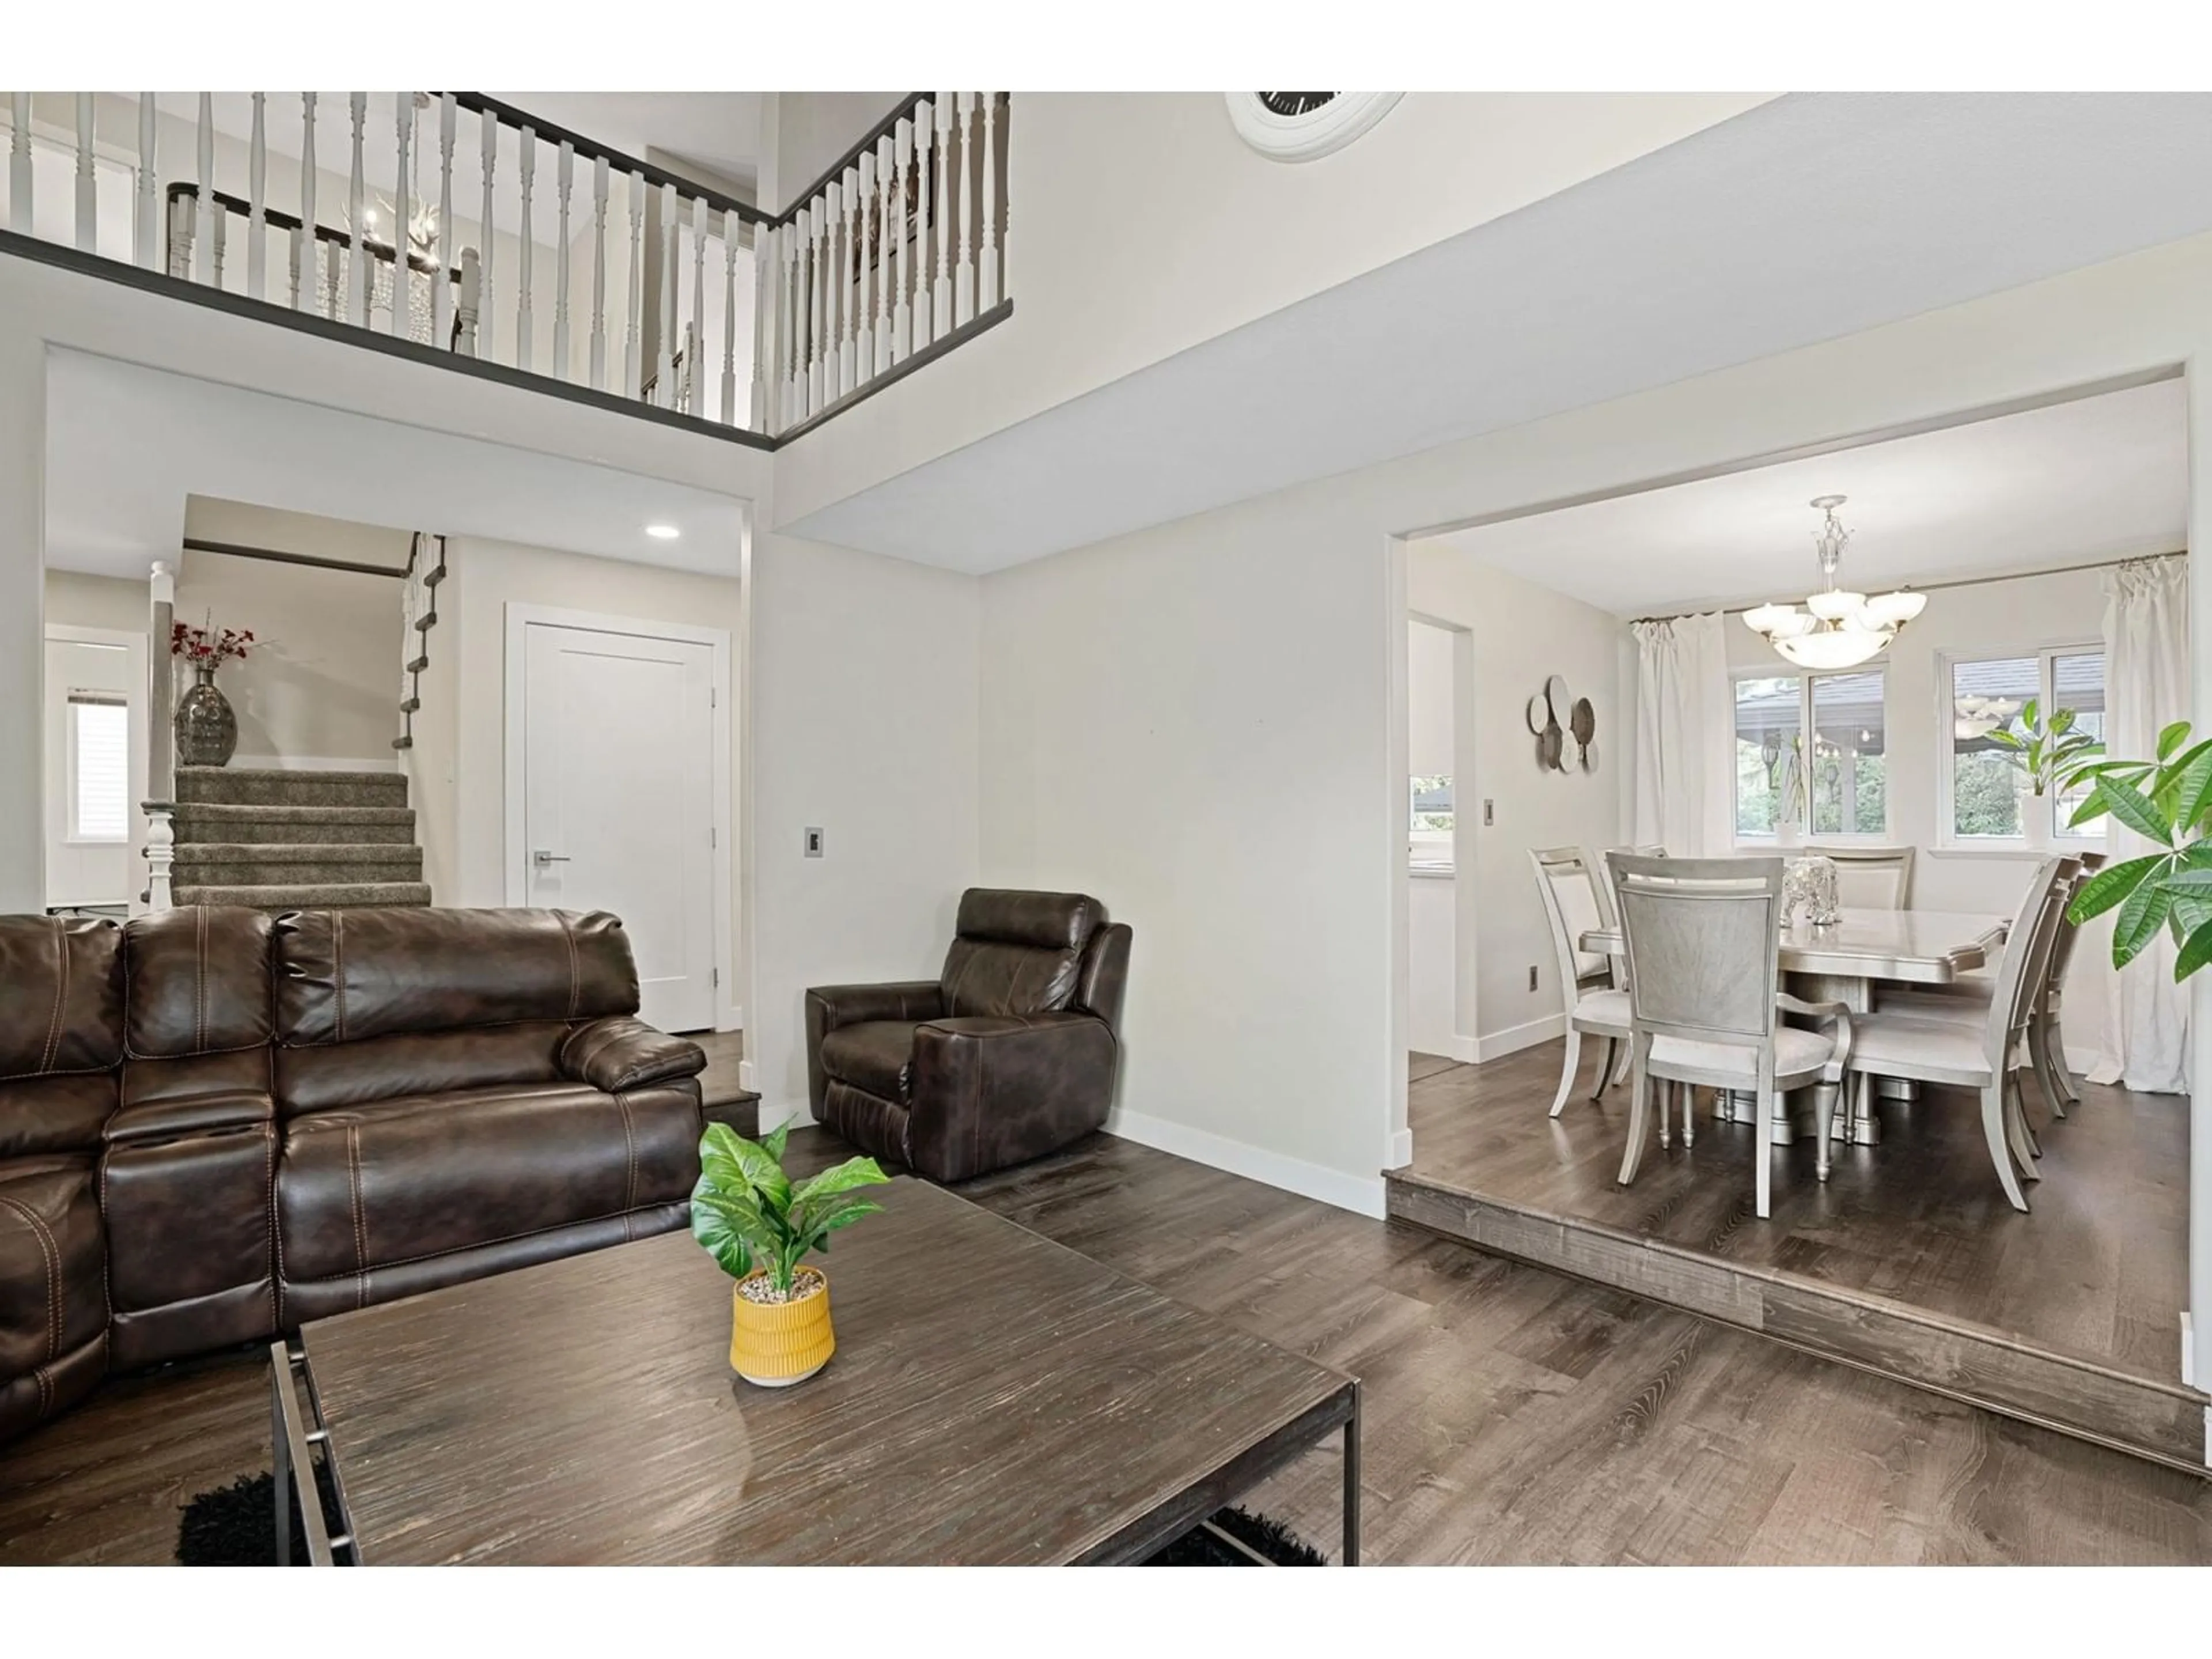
<point x="1813" y="216"/>
<point x="2098" y="478"/>
<point x="125" y="446"/>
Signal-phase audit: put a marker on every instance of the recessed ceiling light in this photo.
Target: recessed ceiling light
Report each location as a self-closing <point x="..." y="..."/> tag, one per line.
<point x="663" y="532"/>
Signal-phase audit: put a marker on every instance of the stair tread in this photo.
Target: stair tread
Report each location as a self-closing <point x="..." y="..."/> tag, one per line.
<point x="297" y="852"/>
<point x="309" y="897"/>
<point x="235" y="811"/>
<point x="290" y="775"/>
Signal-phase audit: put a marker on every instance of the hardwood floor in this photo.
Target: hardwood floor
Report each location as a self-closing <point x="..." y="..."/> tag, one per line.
<point x="1510" y="1414"/>
<point x="2098" y="1269"/>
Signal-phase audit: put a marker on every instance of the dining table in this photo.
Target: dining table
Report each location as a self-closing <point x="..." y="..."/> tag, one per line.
<point x="1847" y="961"/>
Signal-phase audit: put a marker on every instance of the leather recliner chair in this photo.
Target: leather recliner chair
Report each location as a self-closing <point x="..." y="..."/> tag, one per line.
<point x="1009" y="1053"/>
<point x="214" y="1127"/>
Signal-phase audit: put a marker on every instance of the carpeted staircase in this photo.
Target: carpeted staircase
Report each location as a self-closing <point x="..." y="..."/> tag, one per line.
<point x="289" y="841"/>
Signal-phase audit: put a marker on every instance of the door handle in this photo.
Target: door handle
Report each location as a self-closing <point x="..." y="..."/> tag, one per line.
<point x="542" y="856"/>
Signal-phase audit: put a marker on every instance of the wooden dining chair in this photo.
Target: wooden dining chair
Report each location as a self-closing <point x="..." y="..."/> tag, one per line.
<point x="1574" y="905"/>
<point x="1967" y="997"/>
<point x="1871" y="877"/>
<point x="1703" y="943"/>
<point x="1983" y="1052"/>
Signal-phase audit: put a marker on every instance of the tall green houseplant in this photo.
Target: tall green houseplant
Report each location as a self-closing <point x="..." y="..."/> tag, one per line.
<point x="2168" y="802"/>
<point x="2051" y="752"/>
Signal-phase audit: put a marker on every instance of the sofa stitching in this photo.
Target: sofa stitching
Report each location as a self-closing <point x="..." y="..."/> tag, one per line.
<point x="52" y="1048"/>
<point x="52" y="1252"/>
<point x="359" y="1238"/>
<point x="199" y="979"/>
<point x="107" y="1286"/>
<point x="338" y="973"/>
<point x="269" y="1186"/>
<point x="576" y="986"/>
<point x="45" y="1391"/>
<point x="630" y="1155"/>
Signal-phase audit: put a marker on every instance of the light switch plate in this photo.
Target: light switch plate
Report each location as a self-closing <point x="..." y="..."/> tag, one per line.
<point x="814" y="846"/>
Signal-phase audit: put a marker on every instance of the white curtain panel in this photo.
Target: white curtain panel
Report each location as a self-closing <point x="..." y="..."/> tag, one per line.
<point x="2145" y="688"/>
<point x="1684" y="790"/>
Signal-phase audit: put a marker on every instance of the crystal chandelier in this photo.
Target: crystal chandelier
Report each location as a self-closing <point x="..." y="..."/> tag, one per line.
<point x="379" y="220"/>
<point x="1836" y="629"/>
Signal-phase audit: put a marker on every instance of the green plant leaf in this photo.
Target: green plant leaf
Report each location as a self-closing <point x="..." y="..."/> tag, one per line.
<point x="2006" y="738"/>
<point x="2112" y="884"/>
<point x="2171" y="738"/>
<point x="2027" y="714"/>
<point x="853" y="1172"/>
<point x="2062" y="720"/>
<point x="844" y="1215"/>
<point x="2130" y="807"/>
<point x="2186" y="792"/>
<point x="2195" y="952"/>
<point x="718" y="1158"/>
<point x="762" y="1174"/>
<point x="731" y="1229"/>
<point x="772" y="1142"/>
<point x="2139" y="920"/>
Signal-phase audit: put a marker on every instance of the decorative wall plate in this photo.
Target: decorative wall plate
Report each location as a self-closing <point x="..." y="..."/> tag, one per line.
<point x="1304" y="126"/>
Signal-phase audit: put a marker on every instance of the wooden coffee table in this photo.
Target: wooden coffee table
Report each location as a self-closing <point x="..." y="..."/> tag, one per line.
<point x="994" y="1398"/>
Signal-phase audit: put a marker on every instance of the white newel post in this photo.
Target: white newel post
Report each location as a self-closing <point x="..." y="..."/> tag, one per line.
<point x="160" y="806"/>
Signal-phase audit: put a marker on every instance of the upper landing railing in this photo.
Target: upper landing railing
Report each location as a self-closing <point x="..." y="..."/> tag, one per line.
<point x="532" y="252"/>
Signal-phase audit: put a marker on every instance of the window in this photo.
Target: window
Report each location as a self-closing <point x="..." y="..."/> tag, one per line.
<point x="1990" y="798"/>
<point x="1811" y="754"/>
<point x="1432" y="818"/>
<point x="99" y="767"/>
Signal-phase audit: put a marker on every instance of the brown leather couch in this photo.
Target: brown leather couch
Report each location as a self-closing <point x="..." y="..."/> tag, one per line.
<point x="214" y="1125"/>
<point x="1008" y="1054"/>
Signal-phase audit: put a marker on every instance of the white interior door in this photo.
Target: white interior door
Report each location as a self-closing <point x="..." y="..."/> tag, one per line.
<point x="618" y="800"/>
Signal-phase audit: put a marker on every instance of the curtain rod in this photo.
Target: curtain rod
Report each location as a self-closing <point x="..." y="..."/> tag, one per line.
<point x="1961" y="582"/>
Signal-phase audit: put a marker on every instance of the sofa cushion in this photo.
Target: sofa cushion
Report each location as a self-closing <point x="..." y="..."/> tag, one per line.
<point x="1018" y="952"/>
<point x="875" y="1055"/>
<point x="417" y="1063"/>
<point x="362" y="1187"/>
<point x="343" y="975"/>
<point x="880" y="1128"/>
<point x="198" y="981"/>
<point x="59" y="1113"/>
<point x="64" y="1007"/>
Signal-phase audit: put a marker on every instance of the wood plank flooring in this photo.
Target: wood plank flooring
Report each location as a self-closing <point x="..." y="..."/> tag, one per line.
<point x="2098" y="1269"/>
<point x="1510" y="1414"/>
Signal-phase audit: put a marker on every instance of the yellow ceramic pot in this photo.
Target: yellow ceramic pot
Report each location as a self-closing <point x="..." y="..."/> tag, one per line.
<point x="778" y="1344"/>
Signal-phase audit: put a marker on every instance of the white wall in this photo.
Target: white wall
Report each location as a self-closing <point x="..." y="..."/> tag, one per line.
<point x="1140" y="224"/>
<point x="1523" y="634"/>
<point x="812" y="131"/>
<point x="321" y="686"/>
<point x="1149" y="699"/>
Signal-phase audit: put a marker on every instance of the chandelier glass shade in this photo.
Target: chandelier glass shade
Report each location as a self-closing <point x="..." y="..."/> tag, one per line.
<point x="1837" y="628"/>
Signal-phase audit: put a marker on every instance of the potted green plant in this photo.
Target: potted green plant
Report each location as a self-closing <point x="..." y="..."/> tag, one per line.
<point x="750" y="1218"/>
<point x="2050" y="752"/>
<point x="2168" y="802"/>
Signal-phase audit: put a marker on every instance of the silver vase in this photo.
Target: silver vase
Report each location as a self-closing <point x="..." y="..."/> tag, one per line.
<point x="207" y="730"/>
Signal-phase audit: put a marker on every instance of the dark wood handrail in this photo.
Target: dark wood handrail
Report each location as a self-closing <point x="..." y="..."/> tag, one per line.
<point x="283" y="221"/>
<point x="508" y="115"/>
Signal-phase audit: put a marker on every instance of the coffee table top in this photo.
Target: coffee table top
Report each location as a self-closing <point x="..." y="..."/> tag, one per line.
<point x="994" y="1398"/>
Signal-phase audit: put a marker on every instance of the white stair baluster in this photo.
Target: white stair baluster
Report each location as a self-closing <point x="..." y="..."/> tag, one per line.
<point x="633" y="300"/>
<point x="941" y="290"/>
<point x="403" y="220"/>
<point x="357" y="260"/>
<point x="88" y="186"/>
<point x="146" y="206"/>
<point x="19" y="162"/>
<point x="963" y="278"/>
<point x="306" y="252"/>
<point x="694" y="382"/>
<point x="902" y="307"/>
<point x="763" y="331"/>
<point x="787" y="247"/>
<point x="864" y="366"/>
<point x="565" y="181"/>
<point x="818" y="302"/>
<point x="487" y="316"/>
<point x="257" y="201"/>
<point x="886" y="234"/>
<point x="466" y="306"/>
<point x="987" y="255"/>
<point x="440" y="275"/>
<point x="732" y="415"/>
<point x="837" y="201"/>
<point x="524" y="311"/>
<point x="668" y="333"/>
<point x="925" y="127"/>
<point x="222" y="243"/>
<point x="204" y="210"/>
<point x="599" y="275"/>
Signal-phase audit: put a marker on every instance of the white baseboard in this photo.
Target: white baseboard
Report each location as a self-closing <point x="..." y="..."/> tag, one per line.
<point x="311" y="764"/>
<point x="1401" y="1149"/>
<point x="1513" y="1038"/>
<point x="1362" y="1195"/>
<point x="746" y="1076"/>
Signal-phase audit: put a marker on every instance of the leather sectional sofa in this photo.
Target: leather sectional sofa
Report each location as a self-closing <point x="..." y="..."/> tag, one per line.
<point x="1009" y="1053"/>
<point x="214" y="1125"/>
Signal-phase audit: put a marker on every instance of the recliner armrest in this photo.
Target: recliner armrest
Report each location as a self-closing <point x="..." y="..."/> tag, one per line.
<point x="169" y="1116"/>
<point x="621" y="1053"/>
<point x="857" y="1004"/>
<point x="992" y="1089"/>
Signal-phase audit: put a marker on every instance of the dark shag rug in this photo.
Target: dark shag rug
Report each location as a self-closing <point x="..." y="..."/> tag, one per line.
<point x="235" y="1525"/>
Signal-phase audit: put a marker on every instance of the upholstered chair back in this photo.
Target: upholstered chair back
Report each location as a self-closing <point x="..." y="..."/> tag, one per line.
<point x="1018" y="952"/>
